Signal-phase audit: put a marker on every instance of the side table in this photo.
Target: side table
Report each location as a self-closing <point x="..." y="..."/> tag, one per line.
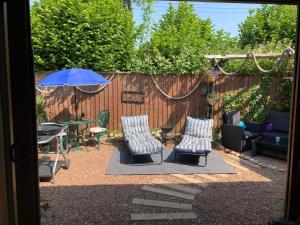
<point x="165" y="133"/>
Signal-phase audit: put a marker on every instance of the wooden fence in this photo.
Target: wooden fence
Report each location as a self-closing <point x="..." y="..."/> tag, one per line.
<point x="159" y="109"/>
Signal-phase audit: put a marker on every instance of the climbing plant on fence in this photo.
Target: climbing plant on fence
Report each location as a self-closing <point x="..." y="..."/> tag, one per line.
<point x="282" y="101"/>
<point x="92" y="34"/>
<point x="252" y="102"/>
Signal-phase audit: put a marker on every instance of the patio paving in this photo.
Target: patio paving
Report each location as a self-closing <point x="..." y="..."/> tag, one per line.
<point x="83" y="194"/>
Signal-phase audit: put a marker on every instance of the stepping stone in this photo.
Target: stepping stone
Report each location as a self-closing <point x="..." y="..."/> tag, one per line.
<point x="237" y="166"/>
<point x="223" y="175"/>
<point x="163" y="216"/>
<point x="178" y="187"/>
<point x="246" y="162"/>
<point x="232" y="157"/>
<point x="207" y="177"/>
<point x="164" y="204"/>
<point x="167" y="192"/>
<point x="190" y="179"/>
<point x="250" y="163"/>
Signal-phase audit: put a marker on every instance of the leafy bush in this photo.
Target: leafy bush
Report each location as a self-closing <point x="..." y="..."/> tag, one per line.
<point x="269" y="23"/>
<point x="282" y="101"/>
<point x="252" y="102"/>
<point x="178" y="43"/>
<point x="41" y="105"/>
<point x="91" y="34"/>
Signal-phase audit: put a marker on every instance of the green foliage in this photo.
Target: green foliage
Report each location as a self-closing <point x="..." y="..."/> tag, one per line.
<point x="143" y="31"/>
<point x="269" y="23"/>
<point x="91" y="34"/>
<point x="100" y="35"/>
<point x="41" y="105"/>
<point x="178" y="42"/>
<point x="282" y="102"/>
<point x="252" y="102"/>
<point x="213" y="95"/>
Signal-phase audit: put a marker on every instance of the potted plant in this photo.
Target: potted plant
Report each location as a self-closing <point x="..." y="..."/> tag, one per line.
<point x="212" y="97"/>
<point x="41" y="115"/>
<point x="209" y="75"/>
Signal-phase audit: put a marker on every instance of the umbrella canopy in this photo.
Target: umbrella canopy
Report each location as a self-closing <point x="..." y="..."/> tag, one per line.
<point x="73" y="77"/>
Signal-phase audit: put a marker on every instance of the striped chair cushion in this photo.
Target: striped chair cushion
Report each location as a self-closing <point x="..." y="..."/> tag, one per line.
<point x="201" y="128"/>
<point x="137" y="134"/>
<point x="194" y="145"/>
<point x="143" y="144"/>
<point x="134" y="124"/>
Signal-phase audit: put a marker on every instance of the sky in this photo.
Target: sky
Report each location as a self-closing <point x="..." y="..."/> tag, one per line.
<point x="224" y="16"/>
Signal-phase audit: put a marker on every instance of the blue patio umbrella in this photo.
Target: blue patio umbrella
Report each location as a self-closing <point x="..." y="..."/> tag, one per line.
<point x="73" y="77"/>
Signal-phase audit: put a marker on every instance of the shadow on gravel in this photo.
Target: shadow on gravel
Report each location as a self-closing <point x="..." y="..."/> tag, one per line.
<point x="226" y="203"/>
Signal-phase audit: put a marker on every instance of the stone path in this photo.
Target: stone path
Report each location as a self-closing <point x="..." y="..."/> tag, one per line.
<point x="178" y="187"/>
<point x="163" y="216"/>
<point x="183" y="191"/>
<point x="165" y="204"/>
<point x="167" y="192"/>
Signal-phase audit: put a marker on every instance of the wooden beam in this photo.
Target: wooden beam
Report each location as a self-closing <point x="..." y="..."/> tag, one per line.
<point x="258" y="56"/>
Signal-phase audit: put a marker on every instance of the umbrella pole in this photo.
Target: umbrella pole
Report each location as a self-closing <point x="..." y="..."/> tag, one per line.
<point x="75" y="101"/>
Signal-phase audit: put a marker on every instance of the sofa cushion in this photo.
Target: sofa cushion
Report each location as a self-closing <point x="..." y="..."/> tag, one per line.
<point x="201" y="128"/>
<point x="269" y="127"/>
<point x="280" y="121"/>
<point x="274" y="134"/>
<point x="250" y="134"/>
<point x="233" y="117"/>
<point x="236" y="118"/>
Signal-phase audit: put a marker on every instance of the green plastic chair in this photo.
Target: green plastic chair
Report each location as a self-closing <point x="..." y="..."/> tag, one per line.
<point x="102" y="128"/>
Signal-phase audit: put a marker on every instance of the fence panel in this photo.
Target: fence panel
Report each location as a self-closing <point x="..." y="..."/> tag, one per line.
<point x="160" y="109"/>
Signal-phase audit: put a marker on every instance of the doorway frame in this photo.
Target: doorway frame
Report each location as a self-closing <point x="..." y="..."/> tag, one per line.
<point x="23" y="188"/>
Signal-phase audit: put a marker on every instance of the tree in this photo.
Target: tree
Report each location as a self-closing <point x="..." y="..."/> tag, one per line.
<point x="178" y="42"/>
<point x="94" y="34"/>
<point x="127" y="4"/>
<point x="270" y="23"/>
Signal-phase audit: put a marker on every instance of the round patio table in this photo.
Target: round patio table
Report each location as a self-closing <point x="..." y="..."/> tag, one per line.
<point x="80" y="128"/>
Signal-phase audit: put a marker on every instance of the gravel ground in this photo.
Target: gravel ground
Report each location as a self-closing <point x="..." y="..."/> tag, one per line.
<point x="84" y="195"/>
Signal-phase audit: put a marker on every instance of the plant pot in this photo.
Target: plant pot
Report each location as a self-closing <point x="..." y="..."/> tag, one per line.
<point x="203" y="90"/>
<point x="210" y="78"/>
<point x="167" y="128"/>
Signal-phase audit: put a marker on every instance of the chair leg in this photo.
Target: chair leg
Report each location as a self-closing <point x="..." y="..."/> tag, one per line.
<point x="161" y="157"/>
<point x="99" y="136"/>
<point x="205" y="160"/>
<point x="99" y="140"/>
<point x="205" y="163"/>
<point x="205" y="157"/>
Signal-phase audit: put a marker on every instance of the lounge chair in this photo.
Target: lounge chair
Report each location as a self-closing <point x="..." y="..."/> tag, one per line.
<point x="138" y="137"/>
<point x="196" y="139"/>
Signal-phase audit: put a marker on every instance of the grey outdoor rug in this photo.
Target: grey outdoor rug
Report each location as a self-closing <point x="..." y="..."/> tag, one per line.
<point x="121" y="164"/>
